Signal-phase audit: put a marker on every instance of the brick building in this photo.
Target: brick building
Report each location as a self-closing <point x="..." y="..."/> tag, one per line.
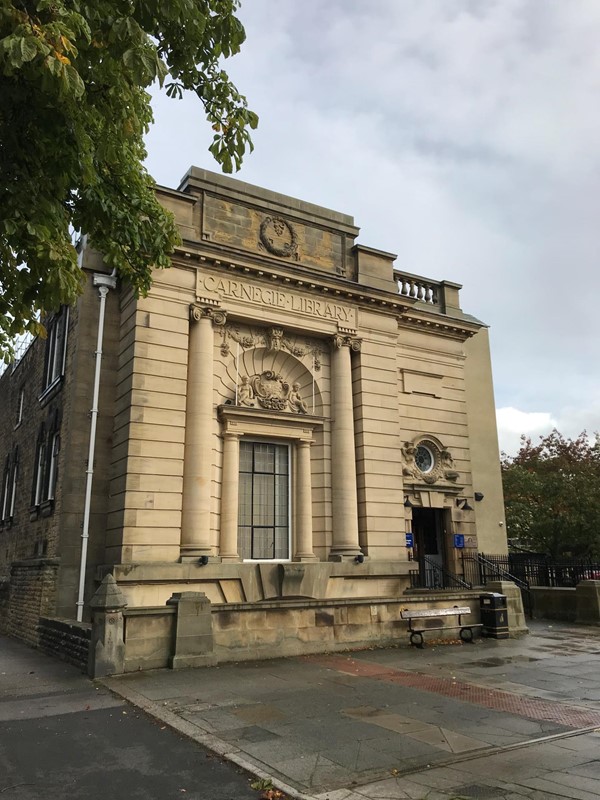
<point x="286" y="419"/>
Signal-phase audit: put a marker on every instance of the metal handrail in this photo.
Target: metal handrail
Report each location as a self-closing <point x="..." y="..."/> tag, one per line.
<point x="441" y="578"/>
<point x="501" y="573"/>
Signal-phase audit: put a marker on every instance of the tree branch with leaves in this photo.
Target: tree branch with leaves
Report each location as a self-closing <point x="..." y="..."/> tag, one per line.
<point x="552" y="495"/>
<point x="73" y="113"/>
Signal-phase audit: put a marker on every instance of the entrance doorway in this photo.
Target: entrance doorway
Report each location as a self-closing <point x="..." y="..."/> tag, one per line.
<point x="428" y="530"/>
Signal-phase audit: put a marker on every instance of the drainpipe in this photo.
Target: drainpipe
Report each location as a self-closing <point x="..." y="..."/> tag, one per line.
<point x="104" y="283"/>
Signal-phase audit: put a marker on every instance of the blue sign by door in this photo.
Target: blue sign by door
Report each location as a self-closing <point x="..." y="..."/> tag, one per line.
<point x="410" y="542"/>
<point x="459" y="540"/>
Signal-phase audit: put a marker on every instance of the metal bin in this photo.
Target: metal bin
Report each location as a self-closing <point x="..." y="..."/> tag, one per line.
<point x="494" y="615"/>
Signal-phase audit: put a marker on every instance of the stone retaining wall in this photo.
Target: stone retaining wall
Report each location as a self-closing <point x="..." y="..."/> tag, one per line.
<point x="66" y="640"/>
<point x="275" y="629"/>
<point x="551" y="603"/>
<point x="32" y="593"/>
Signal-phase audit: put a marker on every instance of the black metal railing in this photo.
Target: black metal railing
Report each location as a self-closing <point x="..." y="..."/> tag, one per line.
<point x="432" y="575"/>
<point x="530" y="569"/>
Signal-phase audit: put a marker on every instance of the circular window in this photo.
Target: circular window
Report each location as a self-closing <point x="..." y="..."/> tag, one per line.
<point x="424" y="458"/>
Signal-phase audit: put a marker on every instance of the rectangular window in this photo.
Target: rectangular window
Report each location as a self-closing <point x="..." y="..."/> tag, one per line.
<point x="38" y="476"/>
<point x="5" y="499"/>
<point x="10" y="479"/>
<point x="13" y="491"/>
<point x="20" y="405"/>
<point x="56" y="347"/>
<point x="263" y="514"/>
<point x="53" y="446"/>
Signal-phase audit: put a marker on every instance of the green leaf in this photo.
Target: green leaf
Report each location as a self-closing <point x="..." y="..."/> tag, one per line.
<point x="75" y="110"/>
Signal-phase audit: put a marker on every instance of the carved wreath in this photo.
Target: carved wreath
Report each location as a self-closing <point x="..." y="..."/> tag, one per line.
<point x="271" y="230"/>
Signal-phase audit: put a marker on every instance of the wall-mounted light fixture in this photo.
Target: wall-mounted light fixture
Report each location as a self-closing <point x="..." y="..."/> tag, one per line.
<point x="359" y="558"/>
<point x="407" y="503"/>
<point x="478" y="496"/>
<point x="463" y="504"/>
<point x="203" y="561"/>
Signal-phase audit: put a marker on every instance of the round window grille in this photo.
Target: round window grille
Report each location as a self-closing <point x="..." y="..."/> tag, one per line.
<point x="424" y="458"/>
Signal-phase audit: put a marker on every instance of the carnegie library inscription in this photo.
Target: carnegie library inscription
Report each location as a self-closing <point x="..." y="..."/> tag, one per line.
<point x="211" y="285"/>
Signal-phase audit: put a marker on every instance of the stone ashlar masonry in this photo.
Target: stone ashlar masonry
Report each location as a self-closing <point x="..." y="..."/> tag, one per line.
<point x="65" y="640"/>
<point x="190" y="632"/>
<point x="392" y="368"/>
<point x="40" y="546"/>
<point x="29" y="540"/>
<point x="32" y="594"/>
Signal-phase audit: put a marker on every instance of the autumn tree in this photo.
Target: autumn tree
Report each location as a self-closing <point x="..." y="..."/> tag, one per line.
<point x="73" y="113"/>
<point x="552" y="495"/>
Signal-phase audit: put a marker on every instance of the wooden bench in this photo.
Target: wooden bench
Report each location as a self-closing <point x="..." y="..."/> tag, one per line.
<point x="416" y="635"/>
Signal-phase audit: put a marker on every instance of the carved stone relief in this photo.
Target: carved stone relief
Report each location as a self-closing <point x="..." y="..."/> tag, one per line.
<point x="217" y="316"/>
<point x="270" y="390"/>
<point x="278" y="236"/>
<point x="341" y="340"/>
<point x="425" y="461"/>
<point x="272" y="339"/>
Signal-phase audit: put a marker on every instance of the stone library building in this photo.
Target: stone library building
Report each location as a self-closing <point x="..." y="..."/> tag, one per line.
<point x="289" y="433"/>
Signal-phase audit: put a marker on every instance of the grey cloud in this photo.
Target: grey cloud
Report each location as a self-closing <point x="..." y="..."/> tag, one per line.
<point x="461" y="135"/>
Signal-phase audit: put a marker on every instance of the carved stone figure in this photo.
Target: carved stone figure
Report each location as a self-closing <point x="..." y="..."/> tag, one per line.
<point x="275" y="337"/>
<point x="295" y="401"/>
<point x="410" y="465"/>
<point x="245" y="394"/>
<point x="450" y="472"/>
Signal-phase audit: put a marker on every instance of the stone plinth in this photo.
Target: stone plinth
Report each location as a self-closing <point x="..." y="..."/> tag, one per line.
<point x="588" y="603"/>
<point x="517" y="625"/>
<point x="193" y="631"/>
<point x="107" y="649"/>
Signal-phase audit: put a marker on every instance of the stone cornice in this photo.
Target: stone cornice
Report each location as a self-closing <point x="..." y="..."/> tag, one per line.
<point x="440" y="324"/>
<point x="299" y="277"/>
<point x="410" y="312"/>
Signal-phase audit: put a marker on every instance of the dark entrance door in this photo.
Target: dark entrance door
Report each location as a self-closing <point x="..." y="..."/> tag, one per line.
<point x="428" y="530"/>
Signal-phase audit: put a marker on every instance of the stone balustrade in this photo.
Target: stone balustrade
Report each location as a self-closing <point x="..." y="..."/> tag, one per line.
<point x="440" y="295"/>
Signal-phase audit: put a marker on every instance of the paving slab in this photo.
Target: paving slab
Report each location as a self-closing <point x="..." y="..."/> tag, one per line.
<point x="496" y="719"/>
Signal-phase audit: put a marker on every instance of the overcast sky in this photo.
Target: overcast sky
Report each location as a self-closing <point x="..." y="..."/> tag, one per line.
<point x="463" y="135"/>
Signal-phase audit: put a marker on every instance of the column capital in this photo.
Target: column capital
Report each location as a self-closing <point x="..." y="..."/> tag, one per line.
<point x="340" y="340"/>
<point x="216" y="315"/>
<point x="231" y="435"/>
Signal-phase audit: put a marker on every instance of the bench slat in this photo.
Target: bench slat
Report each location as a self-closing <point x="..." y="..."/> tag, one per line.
<point x="434" y="612"/>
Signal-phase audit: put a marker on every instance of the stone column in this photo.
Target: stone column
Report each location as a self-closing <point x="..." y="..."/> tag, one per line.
<point x="343" y="478"/>
<point x="197" y="465"/>
<point x="304" y="529"/>
<point x="228" y="543"/>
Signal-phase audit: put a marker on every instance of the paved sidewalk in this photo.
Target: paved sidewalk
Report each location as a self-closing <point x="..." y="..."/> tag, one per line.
<point x="495" y="719"/>
<point x="62" y="737"/>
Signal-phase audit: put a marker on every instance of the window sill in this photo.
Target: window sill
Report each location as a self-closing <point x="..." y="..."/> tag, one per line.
<point x="47" y="508"/>
<point x="51" y="391"/>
